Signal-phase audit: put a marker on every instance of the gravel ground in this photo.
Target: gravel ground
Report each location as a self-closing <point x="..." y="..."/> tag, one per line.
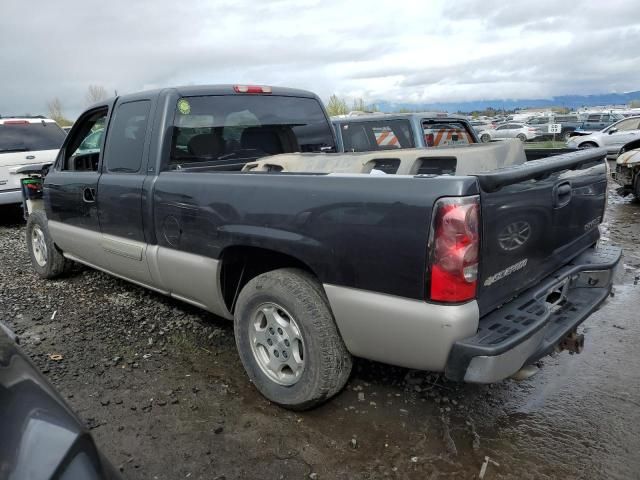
<point x="163" y="390"/>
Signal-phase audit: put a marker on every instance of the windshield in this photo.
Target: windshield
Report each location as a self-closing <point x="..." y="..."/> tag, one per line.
<point x="25" y="137"/>
<point x="228" y="131"/>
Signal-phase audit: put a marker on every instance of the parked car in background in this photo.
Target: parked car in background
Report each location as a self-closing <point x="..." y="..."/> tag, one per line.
<point x="480" y="125"/>
<point x="568" y="123"/>
<point x="402" y="130"/>
<point x="25" y="141"/>
<point x="613" y="138"/>
<point x="41" y="437"/>
<point x="521" y="131"/>
<point x="594" y="122"/>
<point x="627" y="173"/>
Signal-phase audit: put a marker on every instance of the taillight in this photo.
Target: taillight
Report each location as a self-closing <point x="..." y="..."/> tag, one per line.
<point x="251" y="89"/>
<point x="455" y="248"/>
<point x="16" y="122"/>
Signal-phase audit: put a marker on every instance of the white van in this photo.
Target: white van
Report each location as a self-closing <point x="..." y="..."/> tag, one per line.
<point x="25" y="141"/>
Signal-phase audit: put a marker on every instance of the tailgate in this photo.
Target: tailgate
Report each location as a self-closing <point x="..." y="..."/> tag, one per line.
<point x="11" y="162"/>
<point x="536" y="218"/>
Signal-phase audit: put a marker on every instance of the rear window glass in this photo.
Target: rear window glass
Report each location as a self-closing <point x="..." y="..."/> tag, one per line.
<point x="445" y="133"/>
<point x="228" y="131"/>
<point x="24" y="137"/>
<point x="376" y="135"/>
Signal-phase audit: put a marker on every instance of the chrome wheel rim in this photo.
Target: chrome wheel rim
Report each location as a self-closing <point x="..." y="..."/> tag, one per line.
<point x="277" y="344"/>
<point x="39" y="246"/>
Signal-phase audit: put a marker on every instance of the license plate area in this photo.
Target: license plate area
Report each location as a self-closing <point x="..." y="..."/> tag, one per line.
<point x="557" y="295"/>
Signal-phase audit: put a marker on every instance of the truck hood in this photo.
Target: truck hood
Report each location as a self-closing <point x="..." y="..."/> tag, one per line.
<point x="629" y="158"/>
<point x="594" y="137"/>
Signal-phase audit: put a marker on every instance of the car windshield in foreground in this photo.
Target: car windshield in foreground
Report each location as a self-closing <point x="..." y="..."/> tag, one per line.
<point x="27" y="136"/>
<point x="228" y="131"/>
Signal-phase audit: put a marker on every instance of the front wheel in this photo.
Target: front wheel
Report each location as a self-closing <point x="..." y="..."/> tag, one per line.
<point x="522" y="137"/>
<point x="288" y="341"/>
<point x="485" y="138"/>
<point x="47" y="260"/>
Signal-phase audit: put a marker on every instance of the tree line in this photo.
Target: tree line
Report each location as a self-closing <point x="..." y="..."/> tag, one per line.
<point x="94" y="93"/>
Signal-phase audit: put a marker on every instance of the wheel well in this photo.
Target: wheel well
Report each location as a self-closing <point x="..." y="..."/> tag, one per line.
<point x="241" y="263"/>
<point x="588" y="143"/>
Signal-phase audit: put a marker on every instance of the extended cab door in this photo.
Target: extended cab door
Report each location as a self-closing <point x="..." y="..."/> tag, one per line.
<point x="120" y="189"/>
<point x="70" y="188"/>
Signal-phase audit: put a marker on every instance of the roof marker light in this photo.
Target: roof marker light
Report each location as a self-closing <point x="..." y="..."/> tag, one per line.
<point x="251" y="89"/>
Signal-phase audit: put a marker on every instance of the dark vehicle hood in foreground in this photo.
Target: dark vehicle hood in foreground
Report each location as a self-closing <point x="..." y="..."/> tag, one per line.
<point x="40" y="437"/>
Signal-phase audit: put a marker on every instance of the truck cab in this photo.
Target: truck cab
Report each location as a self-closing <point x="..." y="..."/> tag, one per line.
<point x="375" y="132"/>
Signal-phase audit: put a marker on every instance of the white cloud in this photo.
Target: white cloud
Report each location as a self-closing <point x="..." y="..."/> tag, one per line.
<point x="403" y="51"/>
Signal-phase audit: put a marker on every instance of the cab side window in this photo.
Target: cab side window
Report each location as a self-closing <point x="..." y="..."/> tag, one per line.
<point x="82" y="152"/>
<point x="126" y="138"/>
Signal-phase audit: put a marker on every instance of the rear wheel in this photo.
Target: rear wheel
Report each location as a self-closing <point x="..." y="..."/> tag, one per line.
<point x="566" y="135"/>
<point x="522" y="137"/>
<point x="288" y="341"/>
<point x="47" y="260"/>
<point x="485" y="138"/>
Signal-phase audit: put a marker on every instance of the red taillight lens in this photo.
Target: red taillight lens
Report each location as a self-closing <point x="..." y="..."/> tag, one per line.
<point x="455" y="246"/>
<point x="251" y="89"/>
<point x="16" y="122"/>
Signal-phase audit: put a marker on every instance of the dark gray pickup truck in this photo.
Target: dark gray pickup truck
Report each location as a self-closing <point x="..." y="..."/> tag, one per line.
<point x="473" y="274"/>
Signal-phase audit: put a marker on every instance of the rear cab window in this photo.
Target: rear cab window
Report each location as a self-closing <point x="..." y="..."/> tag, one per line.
<point x="367" y="136"/>
<point x="440" y="133"/>
<point x="27" y="136"/>
<point x="227" y="131"/>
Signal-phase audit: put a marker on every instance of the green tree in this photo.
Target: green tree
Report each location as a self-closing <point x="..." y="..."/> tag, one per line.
<point x="336" y="106"/>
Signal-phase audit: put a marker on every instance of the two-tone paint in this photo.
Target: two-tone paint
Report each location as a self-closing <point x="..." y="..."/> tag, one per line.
<point x="364" y="237"/>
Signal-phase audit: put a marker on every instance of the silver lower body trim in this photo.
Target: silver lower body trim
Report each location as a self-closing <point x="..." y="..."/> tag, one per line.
<point x="184" y="276"/>
<point x="400" y="331"/>
<point x="491" y="369"/>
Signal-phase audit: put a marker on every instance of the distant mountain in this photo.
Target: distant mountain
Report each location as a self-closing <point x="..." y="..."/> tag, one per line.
<point x="568" y="101"/>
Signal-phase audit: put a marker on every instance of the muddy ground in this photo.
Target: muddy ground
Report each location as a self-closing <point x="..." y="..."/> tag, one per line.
<point x="162" y="388"/>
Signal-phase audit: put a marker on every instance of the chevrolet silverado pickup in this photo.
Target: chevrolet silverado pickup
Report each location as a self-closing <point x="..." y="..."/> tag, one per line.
<point x="226" y="197"/>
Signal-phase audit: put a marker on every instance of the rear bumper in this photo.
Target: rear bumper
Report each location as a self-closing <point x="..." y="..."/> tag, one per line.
<point x="10" y="196"/>
<point x="530" y="327"/>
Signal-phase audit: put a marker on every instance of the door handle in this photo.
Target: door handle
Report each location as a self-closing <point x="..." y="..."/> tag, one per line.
<point x="89" y="195"/>
<point x="562" y="195"/>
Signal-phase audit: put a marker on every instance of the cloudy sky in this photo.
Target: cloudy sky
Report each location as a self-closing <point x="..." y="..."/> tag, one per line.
<point x="399" y="51"/>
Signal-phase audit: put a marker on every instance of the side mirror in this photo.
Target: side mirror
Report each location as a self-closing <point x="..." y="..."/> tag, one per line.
<point x="613" y="130"/>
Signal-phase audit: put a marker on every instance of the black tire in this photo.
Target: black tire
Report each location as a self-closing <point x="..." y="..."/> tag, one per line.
<point x="588" y="145"/>
<point x="48" y="262"/>
<point x="636" y="189"/>
<point x="566" y="135"/>
<point x="485" y="138"/>
<point x="327" y="363"/>
<point x="522" y="137"/>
